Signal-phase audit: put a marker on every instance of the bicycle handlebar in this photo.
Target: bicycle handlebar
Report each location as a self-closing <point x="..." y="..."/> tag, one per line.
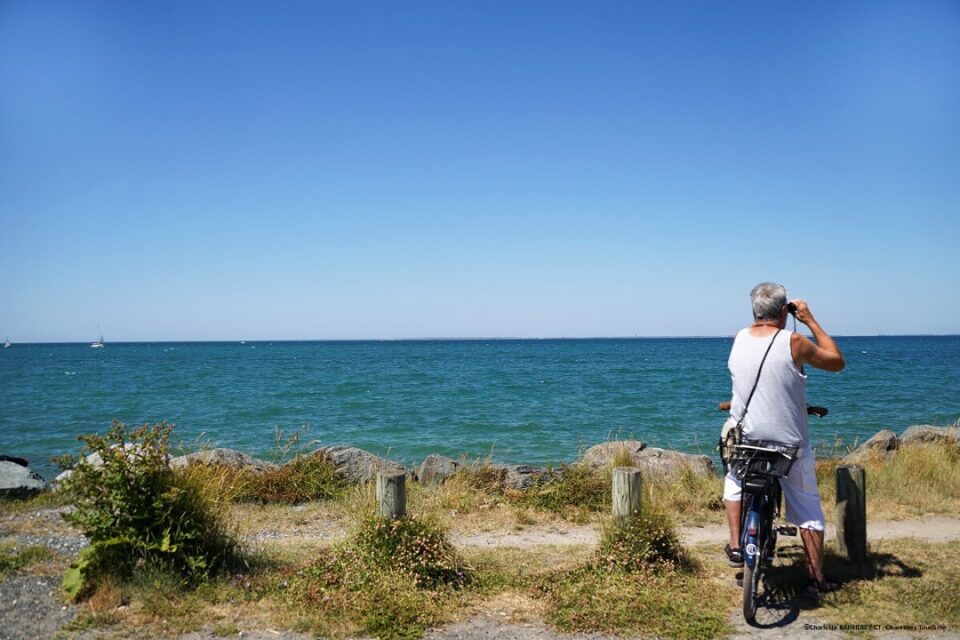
<point x="811" y="410"/>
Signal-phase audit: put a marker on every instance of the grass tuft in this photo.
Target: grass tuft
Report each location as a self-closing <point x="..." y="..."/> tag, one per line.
<point x="306" y="478"/>
<point x="418" y="549"/>
<point x="646" y="542"/>
<point x="14" y="559"/>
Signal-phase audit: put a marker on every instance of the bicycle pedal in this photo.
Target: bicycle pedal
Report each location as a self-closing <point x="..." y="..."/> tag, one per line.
<point x="787" y="530"/>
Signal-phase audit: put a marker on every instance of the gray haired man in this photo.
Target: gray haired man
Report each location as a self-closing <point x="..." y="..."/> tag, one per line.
<point x="778" y="412"/>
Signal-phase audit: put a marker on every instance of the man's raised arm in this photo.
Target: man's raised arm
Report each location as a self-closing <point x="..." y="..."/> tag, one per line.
<point x="824" y="354"/>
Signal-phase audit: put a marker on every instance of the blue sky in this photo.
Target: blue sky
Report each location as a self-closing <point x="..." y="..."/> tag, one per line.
<point x="235" y="170"/>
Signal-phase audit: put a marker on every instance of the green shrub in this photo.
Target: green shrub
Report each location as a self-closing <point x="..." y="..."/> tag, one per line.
<point x="137" y="512"/>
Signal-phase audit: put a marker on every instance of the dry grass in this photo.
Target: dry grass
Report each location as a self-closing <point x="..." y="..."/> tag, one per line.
<point x="689" y="497"/>
<point x="919" y="480"/>
<point x="474" y="501"/>
<point x="43" y="522"/>
<point x="902" y="583"/>
<point x="44" y="500"/>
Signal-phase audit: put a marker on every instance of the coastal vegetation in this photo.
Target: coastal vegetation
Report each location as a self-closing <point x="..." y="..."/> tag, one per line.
<point x="140" y="515"/>
<point x="296" y="546"/>
<point x="923" y="478"/>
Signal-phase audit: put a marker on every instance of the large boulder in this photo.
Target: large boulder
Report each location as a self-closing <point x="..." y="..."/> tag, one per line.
<point x="667" y="462"/>
<point x="222" y="457"/>
<point x="603" y="454"/>
<point x="650" y="460"/>
<point x="356" y="464"/>
<point x="437" y="469"/>
<point x="924" y="433"/>
<point x="883" y="444"/>
<point x="18" y="481"/>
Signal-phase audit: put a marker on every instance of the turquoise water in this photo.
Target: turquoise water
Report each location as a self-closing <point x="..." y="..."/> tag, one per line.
<point x="535" y="401"/>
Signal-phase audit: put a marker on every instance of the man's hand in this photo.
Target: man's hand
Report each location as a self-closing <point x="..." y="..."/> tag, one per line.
<point x="803" y="313"/>
<point x="823" y="354"/>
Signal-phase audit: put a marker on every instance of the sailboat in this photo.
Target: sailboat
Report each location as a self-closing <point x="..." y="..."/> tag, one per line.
<point x="6" y="344"/>
<point x="98" y="343"/>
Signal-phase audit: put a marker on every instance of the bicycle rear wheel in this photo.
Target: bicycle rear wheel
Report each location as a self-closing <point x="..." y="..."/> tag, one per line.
<point x="751" y="590"/>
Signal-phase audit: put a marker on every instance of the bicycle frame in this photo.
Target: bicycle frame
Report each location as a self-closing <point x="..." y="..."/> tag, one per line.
<point x="760" y="508"/>
<point x="761" y="468"/>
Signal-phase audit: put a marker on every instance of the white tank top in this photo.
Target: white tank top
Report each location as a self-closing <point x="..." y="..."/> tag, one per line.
<point x="778" y="410"/>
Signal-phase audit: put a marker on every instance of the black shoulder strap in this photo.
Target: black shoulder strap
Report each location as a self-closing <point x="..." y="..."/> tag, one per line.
<point x="757" y="381"/>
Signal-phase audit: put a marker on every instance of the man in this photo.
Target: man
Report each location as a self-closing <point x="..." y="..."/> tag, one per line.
<point x="778" y="412"/>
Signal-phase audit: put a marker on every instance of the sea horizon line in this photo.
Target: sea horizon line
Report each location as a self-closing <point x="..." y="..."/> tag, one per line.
<point x="452" y="339"/>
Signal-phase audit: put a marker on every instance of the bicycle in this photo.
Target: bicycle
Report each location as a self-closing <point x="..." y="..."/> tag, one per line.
<point x="759" y="464"/>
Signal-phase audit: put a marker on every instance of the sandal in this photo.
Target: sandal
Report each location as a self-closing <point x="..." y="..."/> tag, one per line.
<point x="734" y="556"/>
<point x="815" y="587"/>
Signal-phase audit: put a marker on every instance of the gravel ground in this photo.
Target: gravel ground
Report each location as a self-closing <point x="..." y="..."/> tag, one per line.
<point x="31" y="608"/>
<point x="489" y="628"/>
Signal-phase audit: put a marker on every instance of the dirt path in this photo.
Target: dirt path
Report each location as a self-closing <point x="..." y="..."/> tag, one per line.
<point x="933" y="529"/>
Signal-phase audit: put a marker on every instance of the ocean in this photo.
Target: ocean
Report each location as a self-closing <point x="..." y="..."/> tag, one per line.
<point x="531" y="401"/>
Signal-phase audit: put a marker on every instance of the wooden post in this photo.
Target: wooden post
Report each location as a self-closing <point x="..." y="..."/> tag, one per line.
<point x="391" y="494"/>
<point x="852" y="512"/>
<point x="626" y="492"/>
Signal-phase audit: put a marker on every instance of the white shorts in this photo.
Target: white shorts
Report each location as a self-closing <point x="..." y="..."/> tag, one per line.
<point x="799" y="490"/>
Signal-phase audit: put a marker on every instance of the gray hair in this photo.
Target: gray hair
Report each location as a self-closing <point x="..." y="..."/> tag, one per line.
<point x="768" y="298"/>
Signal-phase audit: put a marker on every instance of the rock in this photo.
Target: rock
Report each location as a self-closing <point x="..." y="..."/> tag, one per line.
<point x="883" y="443"/>
<point x="23" y="462"/>
<point x="930" y="434"/>
<point x="17" y="481"/>
<point x="223" y="457"/>
<point x="601" y="455"/>
<point x="356" y="464"/>
<point x="437" y="469"/>
<point x="648" y="459"/>
<point x="665" y="461"/>
<point x="520" y="476"/>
